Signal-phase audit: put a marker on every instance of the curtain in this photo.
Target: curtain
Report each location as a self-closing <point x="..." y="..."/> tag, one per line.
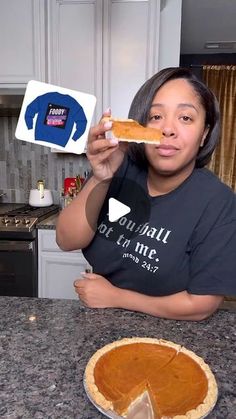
<point x="221" y="79"/>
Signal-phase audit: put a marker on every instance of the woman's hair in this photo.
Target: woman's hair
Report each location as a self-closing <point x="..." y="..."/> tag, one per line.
<point x="141" y="104"/>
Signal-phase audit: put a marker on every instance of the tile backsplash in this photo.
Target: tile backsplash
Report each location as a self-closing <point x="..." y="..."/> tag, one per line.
<point x="23" y="163"/>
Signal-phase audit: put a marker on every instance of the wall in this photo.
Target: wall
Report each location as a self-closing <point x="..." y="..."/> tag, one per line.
<point x="23" y="163"/>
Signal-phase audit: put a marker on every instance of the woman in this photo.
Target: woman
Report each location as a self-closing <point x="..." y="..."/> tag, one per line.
<point x="181" y="261"/>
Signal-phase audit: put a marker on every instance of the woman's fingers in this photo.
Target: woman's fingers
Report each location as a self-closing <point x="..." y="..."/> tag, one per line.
<point x="99" y="130"/>
<point x="97" y="142"/>
<point x="101" y="145"/>
<point x="106" y="114"/>
<point x="103" y="153"/>
<point x="102" y="157"/>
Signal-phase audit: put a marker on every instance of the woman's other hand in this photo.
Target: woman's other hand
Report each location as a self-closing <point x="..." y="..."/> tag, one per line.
<point x="95" y="291"/>
<point x="105" y="155"/>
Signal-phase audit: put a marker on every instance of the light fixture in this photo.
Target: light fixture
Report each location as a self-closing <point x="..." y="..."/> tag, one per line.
<point x="211" y="45"/>
<point x="220" y="45"/>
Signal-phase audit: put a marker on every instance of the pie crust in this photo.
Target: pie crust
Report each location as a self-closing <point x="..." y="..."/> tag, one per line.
<point x="131" y="131"/>
<point x="180" y="384"/>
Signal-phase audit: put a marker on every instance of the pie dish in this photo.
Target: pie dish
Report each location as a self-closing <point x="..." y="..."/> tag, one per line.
<point x="179" y="383"/>
<point x="130" y="130"/>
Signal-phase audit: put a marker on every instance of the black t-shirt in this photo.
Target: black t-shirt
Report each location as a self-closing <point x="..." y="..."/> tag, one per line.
<point x="188" y="242"/>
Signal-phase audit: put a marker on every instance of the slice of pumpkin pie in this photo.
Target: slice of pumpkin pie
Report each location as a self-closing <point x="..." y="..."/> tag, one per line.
<point x="131" y="131"/>
<point x="179" y="383"/>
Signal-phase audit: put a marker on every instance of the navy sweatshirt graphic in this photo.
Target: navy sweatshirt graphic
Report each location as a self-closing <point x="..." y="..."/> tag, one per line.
<point x="57" y="115"/>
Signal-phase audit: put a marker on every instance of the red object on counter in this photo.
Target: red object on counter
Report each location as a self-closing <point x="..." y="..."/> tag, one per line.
<point x="70" y="184"/>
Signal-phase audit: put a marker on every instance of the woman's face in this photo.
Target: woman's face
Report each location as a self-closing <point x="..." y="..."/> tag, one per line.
<point x="177" y="111"/>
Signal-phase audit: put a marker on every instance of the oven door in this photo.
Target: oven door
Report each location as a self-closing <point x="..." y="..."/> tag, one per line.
<point x="18" y="268"/>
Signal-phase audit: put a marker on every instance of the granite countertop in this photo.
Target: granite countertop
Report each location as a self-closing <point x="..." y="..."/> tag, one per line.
<point x="46" y="344"/>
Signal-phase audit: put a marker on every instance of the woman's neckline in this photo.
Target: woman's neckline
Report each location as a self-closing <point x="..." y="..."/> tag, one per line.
<point x="173" y="191"/>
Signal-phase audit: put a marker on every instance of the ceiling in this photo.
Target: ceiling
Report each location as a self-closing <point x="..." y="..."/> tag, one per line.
<point x="208" y="21"/>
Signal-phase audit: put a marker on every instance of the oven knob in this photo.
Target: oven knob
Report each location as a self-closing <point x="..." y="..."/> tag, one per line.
<point x="17" y="221"/>
<point x="5" y="220"/>
<point x="26" y="221"/>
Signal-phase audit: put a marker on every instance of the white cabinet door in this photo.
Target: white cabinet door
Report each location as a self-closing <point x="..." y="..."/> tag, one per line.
<point x="57" y="270"/>
<point x="75" y="45"/>
<point x="130" y="50"/>
<point x="104" y="47"/>
<point x="22" y="46"/>
<point x="110" y="47"/>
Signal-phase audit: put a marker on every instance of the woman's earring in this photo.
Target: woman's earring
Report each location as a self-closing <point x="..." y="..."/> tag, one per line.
<point x="204" y="136"/>
<point x="202" y="142"/>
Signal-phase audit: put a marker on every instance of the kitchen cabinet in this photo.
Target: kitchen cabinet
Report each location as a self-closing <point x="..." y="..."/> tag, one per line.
<point x="22" y="47"/>
<point x="104" y="47"/>
<point x="57" y="269"/>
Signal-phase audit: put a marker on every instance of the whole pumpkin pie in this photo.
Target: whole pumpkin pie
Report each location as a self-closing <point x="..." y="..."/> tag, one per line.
<point x="179" y="384"/>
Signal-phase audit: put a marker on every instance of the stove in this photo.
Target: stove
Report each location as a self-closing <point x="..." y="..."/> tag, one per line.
<point x="22" y="221"/>
<point x="19" y="248"/>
